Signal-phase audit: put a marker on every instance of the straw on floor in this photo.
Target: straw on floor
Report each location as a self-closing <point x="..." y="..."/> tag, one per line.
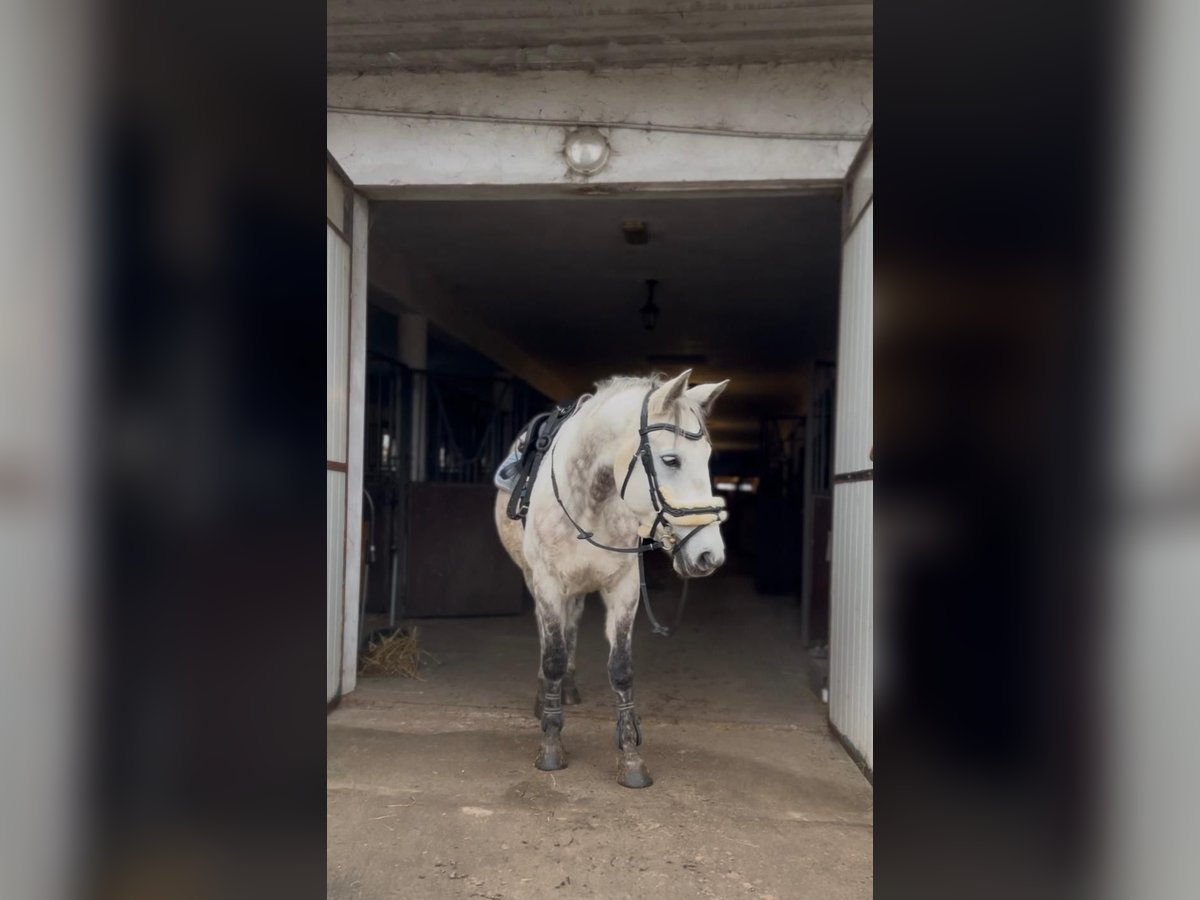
<point x="398" y="653"/>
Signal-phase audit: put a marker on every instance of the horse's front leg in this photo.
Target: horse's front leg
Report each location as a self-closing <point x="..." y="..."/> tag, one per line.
<point x="570" y="693"/>
<point x="551" y="615"/>
<point x="622" y="603"/>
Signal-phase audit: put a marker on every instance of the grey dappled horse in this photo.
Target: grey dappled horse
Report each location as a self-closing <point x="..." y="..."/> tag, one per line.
<point x="628" y="465"/>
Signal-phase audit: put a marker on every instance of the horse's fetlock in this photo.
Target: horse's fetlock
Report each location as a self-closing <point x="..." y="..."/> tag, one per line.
<point x="628" y="731"/>
<point x="620" y="675"/>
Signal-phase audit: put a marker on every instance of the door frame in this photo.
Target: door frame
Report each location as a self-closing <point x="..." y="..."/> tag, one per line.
<point x="352" y="228"/>
<point x="858" y="199"/>
<point x="364" y="194"/>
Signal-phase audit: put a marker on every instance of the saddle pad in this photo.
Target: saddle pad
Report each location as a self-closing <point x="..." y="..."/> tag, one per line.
<point x="509" y="473"/>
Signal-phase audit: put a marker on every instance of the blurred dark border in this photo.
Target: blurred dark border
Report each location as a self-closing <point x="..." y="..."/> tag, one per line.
<point x="207" y="716"/>
<point x="994" y="127"/>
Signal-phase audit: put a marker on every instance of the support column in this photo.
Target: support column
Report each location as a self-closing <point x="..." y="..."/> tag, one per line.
<point x="412" y="349"/>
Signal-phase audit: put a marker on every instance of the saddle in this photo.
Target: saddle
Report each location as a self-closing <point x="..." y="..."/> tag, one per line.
<point x="518" y="472"/>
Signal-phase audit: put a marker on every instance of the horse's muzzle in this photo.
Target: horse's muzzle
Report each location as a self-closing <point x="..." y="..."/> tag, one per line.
<point x="705" y="563"/>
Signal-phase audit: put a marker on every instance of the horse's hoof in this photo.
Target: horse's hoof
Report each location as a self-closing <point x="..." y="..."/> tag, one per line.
<point x="551" y="759"/>
<point x="634" y="775"/>
<point x="570" y="695"/>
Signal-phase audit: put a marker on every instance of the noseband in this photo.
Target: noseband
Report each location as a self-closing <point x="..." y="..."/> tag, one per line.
<point x="664" y="511"/>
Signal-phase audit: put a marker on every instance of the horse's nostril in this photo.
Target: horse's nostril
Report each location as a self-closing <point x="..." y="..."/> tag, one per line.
<point x="705" y="560"/>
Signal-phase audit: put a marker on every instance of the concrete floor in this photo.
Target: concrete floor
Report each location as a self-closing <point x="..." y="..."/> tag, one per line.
<point x="432" y="790"/>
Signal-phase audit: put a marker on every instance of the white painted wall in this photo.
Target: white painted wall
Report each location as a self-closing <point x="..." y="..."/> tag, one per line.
<point x="337" y="397"/>
<point x="345" y="388"/>
<point x="811" y="118"/>
<point x="851" y="626"/>
<point x="335" y="573"/>
<point x="853" y="433"/>
<point x="355" y="426"/>
<point x="851" y="668"/>
<point x="1147" y="575"/>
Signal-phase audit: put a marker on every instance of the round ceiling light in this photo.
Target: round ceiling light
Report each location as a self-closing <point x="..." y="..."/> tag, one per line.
<point x="586" y="150"/>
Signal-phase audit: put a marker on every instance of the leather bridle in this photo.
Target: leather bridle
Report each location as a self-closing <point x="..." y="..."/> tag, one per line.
<point x="664" y="510"/>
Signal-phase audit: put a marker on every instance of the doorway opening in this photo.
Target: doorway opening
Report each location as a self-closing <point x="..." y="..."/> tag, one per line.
<point x="485" y="312"/>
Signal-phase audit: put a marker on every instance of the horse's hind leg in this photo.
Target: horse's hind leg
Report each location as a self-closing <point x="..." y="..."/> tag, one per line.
<point x="622" y="609"/>
<point x="570" y="693"/>
<point x="554" y="667"/>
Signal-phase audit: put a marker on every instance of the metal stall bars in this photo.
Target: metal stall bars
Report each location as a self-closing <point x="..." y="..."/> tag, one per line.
<point x="436" y="485"/>
<point x="386" y="478"/>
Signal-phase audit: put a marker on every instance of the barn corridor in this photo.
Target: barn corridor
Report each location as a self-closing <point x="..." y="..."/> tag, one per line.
<point x="432" y="790"/>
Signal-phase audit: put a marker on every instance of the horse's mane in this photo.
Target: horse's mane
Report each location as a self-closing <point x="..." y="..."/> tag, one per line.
<point x="617" y="384"/>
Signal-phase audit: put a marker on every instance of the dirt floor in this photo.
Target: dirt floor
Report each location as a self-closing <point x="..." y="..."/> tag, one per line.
<point x="433" y="793"/>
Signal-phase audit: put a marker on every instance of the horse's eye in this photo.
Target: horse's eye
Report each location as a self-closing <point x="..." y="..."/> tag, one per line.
<point x="671" y="461"/>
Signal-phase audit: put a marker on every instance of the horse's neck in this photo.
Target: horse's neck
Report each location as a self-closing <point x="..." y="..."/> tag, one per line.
<point x="587" y="463"/>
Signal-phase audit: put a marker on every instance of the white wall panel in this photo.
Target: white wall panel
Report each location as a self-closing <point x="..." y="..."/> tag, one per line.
<point x="851" y="666"/>
<point x="862" y="185"/>
<point x="357" y="392"/>
<point x="337" y="343"/>
<point x="337" y="446"/>
<point x="335" y="556"/>
<point x="851" y="642"/>
<point x="853" y="433"/>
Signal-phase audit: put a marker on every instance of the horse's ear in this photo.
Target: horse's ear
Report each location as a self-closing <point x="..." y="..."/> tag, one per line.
<point x="705" y="395"/>
<point x="669" y="393"/>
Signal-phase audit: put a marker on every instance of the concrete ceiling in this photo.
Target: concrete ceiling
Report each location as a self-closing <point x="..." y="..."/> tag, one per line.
<point x="750" y="283"/>
<point x="499" y="35"/>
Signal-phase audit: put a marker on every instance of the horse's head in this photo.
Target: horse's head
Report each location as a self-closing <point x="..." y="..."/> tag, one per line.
<point x="662" y="470"/>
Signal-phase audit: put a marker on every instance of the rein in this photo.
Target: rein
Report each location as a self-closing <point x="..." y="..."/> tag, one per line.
<point x="662" y="508"/>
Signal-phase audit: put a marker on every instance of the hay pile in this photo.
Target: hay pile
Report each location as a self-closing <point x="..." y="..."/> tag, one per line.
<point x="397" y="653"/>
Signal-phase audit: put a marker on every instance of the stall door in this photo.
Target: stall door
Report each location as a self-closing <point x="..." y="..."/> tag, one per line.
<point x="850" y="651"/>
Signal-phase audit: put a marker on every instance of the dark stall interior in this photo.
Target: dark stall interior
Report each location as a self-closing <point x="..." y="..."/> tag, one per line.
<point x="567" y="292"/>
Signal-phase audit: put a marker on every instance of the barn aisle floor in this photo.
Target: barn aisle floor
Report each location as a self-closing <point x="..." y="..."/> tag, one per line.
<point x="432" y="790"/>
